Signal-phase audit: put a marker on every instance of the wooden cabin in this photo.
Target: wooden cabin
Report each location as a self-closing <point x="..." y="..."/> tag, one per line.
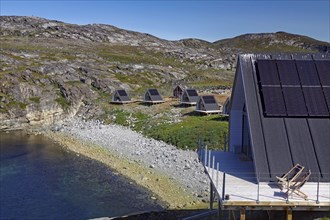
<point x="278" y="121"/>
<point x="120" y="97"/>
<point x="178" y="91"/>
<point x="207" y="105"/>
<point x="189" y="97"/>
<point x="225" y="107"/>
<point x="279" y="115"/>
<point x="152" y="96"/>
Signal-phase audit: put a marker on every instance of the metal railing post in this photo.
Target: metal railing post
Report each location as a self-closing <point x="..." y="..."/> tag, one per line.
<point x="223" y="185"/>
<point x="218" y="213"/>
<point x="217" y="177"/>
<point x="258" y="179"/>
<point x="205" y="155"/>
<point x="213" y="165"/>
<point x="211" y="195"/>
<point x="287" y="196"/>
<point x="209" y="160"/>
<point x="318" y="189"/>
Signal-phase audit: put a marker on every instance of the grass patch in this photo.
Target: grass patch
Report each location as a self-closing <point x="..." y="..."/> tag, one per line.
<point x="121" y="117"/>
<point x="136" y="121"/>
<point x="159" y="124"/>
<point x="185" y="134"/>
<point x="137" y="78"/>
<point x="135" y="54"/>
<point x="35" y="99"/>
<point x="210" y="83"/>
<point x="16" y="104"/>
<point x="63" y="102"/>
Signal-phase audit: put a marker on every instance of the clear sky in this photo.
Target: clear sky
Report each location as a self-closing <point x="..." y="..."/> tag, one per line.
<point x="209" y="20"/>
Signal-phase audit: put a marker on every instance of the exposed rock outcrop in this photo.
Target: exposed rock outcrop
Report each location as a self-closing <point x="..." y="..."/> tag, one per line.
<point x="50" y="70"/>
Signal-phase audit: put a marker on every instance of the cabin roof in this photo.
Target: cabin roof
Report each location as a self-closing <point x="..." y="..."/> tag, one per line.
<point x="191" y="94"/>
<point x="122" y="95"/>
<point x="154" y="95"/>
<point x="209" y="102"/>
<point x="287" y="102"/>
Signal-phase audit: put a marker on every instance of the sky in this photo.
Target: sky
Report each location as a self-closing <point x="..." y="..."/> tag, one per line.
<point x="209" y="20"/>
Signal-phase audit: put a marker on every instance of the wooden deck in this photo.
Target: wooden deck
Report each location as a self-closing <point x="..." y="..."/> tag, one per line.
<point x="121" y="102"/>
<point x="188" y="103"/>
<point x="241" y="186"/>
<point x="209" y="112"/>
<point x="153" y="102"/>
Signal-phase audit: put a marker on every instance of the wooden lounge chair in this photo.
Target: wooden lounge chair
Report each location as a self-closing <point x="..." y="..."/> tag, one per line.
<point x="295" y="188"/>
<point x="286" y="180"/>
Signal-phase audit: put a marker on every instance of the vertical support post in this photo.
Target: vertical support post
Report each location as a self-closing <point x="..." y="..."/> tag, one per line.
<point x="223" y="185"/>
<point x="205" y="155"/>
<point x="213" y="166"/>
<point x="217" y="177"/>
<point x="199" y="147"/>
<point x="287" y="193"/>
<point x="242" y="216"/>
<point x="209" y="160"/>
<point x="289" y="214"/>
<point x="258" y="179"/>
<point x="219" y="207"/>
<point x="318" y="189"/>
<point x="211" y="195"/>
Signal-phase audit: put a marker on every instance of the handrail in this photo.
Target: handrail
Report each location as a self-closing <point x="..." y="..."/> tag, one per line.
<point x="212" y="168"/>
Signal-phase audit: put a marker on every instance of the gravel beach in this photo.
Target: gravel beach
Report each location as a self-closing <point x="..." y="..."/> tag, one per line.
<point x="175" y="176"/>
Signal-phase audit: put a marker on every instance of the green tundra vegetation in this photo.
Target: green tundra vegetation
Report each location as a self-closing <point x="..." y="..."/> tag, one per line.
<point x="211" y="130"/>
<point x="185" y="133"/>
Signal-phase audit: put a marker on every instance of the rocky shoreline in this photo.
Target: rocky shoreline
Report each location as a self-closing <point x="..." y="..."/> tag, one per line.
<point x="174" y="176"/>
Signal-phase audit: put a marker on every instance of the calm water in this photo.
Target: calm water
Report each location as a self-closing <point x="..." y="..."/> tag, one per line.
<point x="39" y="180"/>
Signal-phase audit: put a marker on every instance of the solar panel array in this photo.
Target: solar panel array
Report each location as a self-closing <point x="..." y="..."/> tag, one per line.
<point x="192" y="92"/>
<point x="209" y="99"/>
<point x="294" y="88"/>
<point x="153" y="92"/>
<point x="122" y="92"/>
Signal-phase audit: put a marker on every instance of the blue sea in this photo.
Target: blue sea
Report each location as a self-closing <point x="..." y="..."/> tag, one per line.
<point x="40" y="180"/>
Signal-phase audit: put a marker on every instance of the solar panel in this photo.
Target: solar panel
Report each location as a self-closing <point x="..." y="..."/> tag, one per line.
<point x="287" y="72"/>
<point x="122" y="92"/>
<point x="209" y="99"/>
<point x="315" y="101"/>
<point x="323" y="69"/>
<point x="307" y="72"/>
<point x="273" y="101"/>
<point x="192" y="92"/>
<point x="267" y="72"/>
<point x="326" y="91"/>
<point x="294" y="101"/>
<point x="153" y="92"/>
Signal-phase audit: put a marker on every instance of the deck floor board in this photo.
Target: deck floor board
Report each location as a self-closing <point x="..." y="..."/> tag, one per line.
<point x="241" y="184"/>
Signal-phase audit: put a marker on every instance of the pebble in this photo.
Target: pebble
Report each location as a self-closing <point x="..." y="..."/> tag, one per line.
<point x="177" y="164"/>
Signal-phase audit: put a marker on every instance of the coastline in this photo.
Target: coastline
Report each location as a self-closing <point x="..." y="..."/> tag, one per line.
<point x="163" y="186"/>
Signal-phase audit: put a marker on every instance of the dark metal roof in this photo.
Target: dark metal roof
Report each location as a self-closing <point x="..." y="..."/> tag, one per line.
<point x="209" y="102"/>
<point x="121" y="95"/>
<point x="281" y="141"/>
<point x="153" y="95"/>
<point x="189" y="95"/>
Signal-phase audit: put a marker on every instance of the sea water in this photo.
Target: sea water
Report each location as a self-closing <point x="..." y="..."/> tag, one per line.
<point x="41" y="180"/>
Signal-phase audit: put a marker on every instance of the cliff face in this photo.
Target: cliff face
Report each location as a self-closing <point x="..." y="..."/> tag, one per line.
<point x="50" y="70"/>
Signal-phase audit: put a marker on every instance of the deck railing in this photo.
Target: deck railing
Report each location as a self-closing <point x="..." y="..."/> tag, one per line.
<point x="219" y="179"/>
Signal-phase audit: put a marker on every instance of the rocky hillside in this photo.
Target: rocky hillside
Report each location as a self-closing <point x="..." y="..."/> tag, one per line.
<point x="50" y="70"/>
<point x="273" y="42"/>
